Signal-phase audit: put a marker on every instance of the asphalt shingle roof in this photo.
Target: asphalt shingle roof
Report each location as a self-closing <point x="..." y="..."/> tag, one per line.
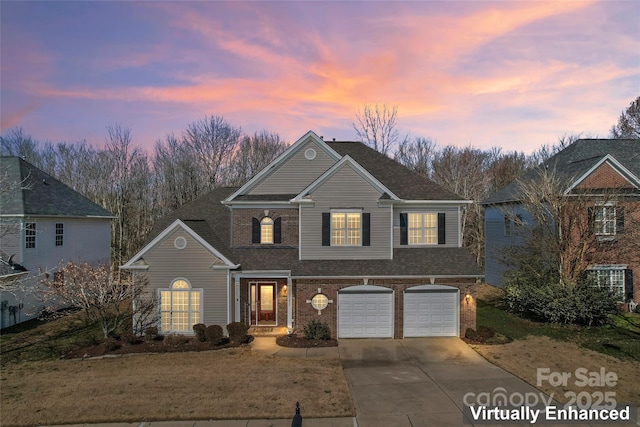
<point x="402" y="181"/>
<point x="574" y="161"/>
<point x="30" y="191"/>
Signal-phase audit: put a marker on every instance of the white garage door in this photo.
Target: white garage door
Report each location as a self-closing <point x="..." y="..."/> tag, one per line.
<point x="365" y="312"/>
<point x="431" y="311"/>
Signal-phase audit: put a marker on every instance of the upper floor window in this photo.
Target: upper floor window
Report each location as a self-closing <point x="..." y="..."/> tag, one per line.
<point x="30" y="235"/>
<point x="266" y="230"/>
<point x="59" y="234"/>
<point x="346" y="228"/>
<point x="423" y="228"/>
<point x="606" y="219"/>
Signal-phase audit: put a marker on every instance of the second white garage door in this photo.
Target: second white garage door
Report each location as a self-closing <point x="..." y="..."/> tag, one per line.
<point x="431" y="311"/>
<point x="365" y="312"/>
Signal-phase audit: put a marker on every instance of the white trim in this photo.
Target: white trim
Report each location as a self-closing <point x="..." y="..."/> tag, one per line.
<point x="608" y="267"/>
<point x="426" y="277"/>
<point x="393" y="232"/>
<point x="256" y="282"/>
<point x="372" y="180"/>
<point x="616" y="165"/>
<point x="289" y="303"/>
<point x="432" y="202"/>
<point x="170" y="229"/>
<point x="274" y="165"/>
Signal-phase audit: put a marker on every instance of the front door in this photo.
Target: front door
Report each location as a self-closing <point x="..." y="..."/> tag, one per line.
<point x="263" y="303"/>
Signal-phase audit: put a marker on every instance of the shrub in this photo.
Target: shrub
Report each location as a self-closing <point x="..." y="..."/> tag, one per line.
<point x="175" y="340"/>
<point x="151" y="333"/>
<point x="130" y="337"/>
<point x="111" y="344"/>
<point x="200" y="330"/>
<point x="582" y="304"/>
<point x="214" y="334"/>
<point x="317" y="330"/>
<point x="238" y="332"/>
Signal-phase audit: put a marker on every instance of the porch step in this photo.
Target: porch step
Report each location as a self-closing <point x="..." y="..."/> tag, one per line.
<point x="267" y="331"/>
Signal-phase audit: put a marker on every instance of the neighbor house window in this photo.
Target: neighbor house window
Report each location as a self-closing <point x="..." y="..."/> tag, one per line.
<point x="180" y="307"/>
<point x="266" y="230"/>
<point x="605" y="220"/>
<point x="346" y="228"/>
<point x="30" y="235"/>
<point x="507" y="225"/>
<point x="423" y="228"/>
<point x="612" y="278"/>
<point x="59" y="234"/>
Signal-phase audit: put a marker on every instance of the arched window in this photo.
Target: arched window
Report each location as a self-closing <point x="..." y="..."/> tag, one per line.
<point x="180" y="307"/>
<point x="266" y="230"/>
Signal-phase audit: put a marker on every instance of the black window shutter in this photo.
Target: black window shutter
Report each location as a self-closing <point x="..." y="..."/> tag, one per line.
<point x="441" y="228"/>
<point x="326" y="229"/>
<point x="628" y="283"/>
<point x="366" y="229"/>
<point x="619" y="220"/>
<point x="591" y="218"/>
<point x="404" y="234"/>
<point x="277" y="230"/>
<point x="255" y="231"/>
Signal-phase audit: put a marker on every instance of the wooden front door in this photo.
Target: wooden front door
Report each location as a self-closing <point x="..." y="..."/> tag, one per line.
<point x="263" y="303"/>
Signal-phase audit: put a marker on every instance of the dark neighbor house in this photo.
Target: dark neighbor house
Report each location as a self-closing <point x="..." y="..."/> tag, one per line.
<point x="601" y="179"/>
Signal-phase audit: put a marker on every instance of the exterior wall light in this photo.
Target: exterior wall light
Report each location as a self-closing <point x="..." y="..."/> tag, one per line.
<point x="467" y="298"/>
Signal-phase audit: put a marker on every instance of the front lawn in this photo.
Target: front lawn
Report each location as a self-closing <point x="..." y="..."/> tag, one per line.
<point x="37" y="388"/>
<point x="614" y="348"/>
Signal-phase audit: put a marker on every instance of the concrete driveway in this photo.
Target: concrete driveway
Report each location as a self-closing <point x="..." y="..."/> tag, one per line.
<point x="418" y="381"/>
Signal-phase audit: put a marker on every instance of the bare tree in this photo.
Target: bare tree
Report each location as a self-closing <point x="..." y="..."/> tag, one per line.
<point x="417" y="155"/>
<point x="377" y="127"/>
<point x="254" y="153"/>
<point x="16" y="143"/>
<point x="628" y="126"/>
<point x="560" y="236"/>
<point x="213" y="141"/>
<point x="95" y="290"/>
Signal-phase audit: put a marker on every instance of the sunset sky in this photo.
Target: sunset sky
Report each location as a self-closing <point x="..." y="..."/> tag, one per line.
<point x="514" y="74"/>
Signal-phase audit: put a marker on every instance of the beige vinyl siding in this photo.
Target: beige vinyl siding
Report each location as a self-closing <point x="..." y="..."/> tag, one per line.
<point x="452" y="224"/>
<point x="345" y="189"/>
<point x="296" y="173"/>
<point x="193" y="263"/>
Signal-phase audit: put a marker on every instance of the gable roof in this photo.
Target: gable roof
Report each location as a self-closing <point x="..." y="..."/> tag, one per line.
<point x="280" y="160"/>
<point x="402" y="181"/>
<point x="346" y="160"/>
<point x="577" y="161"/>
<point x="28" y="191"/>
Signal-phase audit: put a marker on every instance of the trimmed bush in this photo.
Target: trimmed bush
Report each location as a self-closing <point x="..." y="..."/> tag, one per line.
<point x="175" y="340"/>
<point x="238" y="332"/>
<point x="111" y="344"/>
<point x="200" y="331"/>
<point x="151" y="333"/>
<point x="317" y="330"/>
<point x="214" y="334"/>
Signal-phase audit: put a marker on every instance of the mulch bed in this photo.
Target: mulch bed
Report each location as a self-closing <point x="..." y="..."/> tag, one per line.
<point x="298" y="341"/>
<point x="120" y="347"/>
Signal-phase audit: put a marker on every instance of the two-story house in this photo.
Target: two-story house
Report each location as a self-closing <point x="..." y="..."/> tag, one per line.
<point x="43" y="223"/>
<point x="329" y="231"/>
<point x="601" y="180"/>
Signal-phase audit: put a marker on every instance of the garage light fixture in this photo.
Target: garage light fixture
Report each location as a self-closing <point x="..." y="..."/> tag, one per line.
<point x="467" y="298"/>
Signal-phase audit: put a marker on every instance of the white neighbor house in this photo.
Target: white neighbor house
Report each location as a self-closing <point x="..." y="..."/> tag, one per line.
<point x="43" y="224"/>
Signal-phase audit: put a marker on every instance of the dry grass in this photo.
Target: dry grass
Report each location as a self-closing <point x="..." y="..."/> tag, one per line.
<point x="523" y="357"/>
<point x="225" y="384"/>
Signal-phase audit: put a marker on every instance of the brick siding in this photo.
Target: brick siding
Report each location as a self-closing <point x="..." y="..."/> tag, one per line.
<point x="242" y="225"/>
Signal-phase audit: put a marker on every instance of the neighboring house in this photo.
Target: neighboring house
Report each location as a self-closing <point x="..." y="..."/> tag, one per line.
<point x="603" y="176"/>
<point x="43" y="223"/>
<point x="329" y="231"/>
